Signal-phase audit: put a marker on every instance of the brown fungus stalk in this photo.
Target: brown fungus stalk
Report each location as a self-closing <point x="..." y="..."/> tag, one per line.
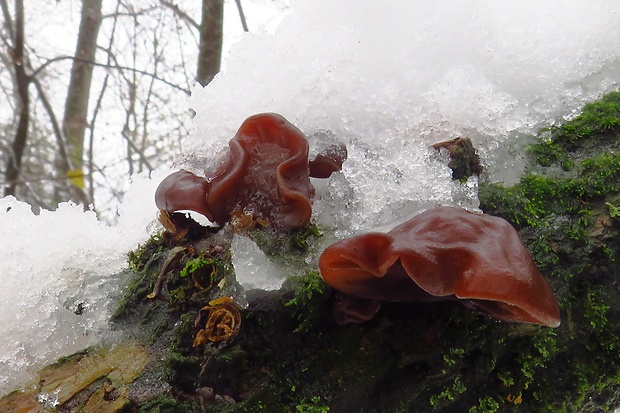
<point x="442" y="254"/>
<point x="265" y="174"/>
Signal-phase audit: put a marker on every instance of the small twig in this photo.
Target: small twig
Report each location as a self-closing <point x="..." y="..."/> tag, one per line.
<point x="184" y="16"/>
<point x="173" y="257"/>
<point x="104" y="65"/>
<point x="244" y="23"/>
<point x="216" y="352"/>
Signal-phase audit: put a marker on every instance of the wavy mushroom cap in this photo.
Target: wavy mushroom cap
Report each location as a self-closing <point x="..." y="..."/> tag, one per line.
<point x="266" y="173"/>
<point x="182" y="190"/>
<point x="445" y="253"/>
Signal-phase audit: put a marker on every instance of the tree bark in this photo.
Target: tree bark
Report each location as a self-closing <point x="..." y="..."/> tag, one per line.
<point x="22" y="81"/>
<point x="76" y="106"/>
<point x="210" y="47"/>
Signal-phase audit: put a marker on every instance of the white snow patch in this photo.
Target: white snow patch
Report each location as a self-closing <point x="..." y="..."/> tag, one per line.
<point x="59" y="277"/>
<point x="389" y="80"/>
<point x="253" y="269"/>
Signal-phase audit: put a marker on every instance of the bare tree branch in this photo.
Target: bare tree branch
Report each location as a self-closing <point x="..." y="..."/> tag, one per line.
<point x="244" y="23"/>
<point x="184" y="16"/>
<point x="23" y="82"/>
<point x="55" y="125"/>
<point x="7" y="20"/>
<point x="109" y="66"/>
<point x="98" y="104"/>
<point x="91" y="143"/>
<point x="185" y="70"/>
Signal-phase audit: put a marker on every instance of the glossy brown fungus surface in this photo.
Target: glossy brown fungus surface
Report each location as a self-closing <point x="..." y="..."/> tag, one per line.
<point x="182" y="190"/>
<point x="328" y="161"/>
<point x="443" y="254"/>
<point x="266" y="174"/>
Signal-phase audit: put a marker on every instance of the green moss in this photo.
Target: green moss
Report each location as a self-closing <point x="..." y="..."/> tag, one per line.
<point x="565" y="219"/>
<point x="167" y="404"/>
<point x="536" y="196"/>
<point x="614" y="211"/>
<point x="193" y="265"/>
<point x="313" y="405"/>
<point x="596" y="311"/>
<point x="600" y="118"/>
<point x="454" y="356"/>
<point x="287" y="247"/>
<point x="303" y="237"/>
<point x="547" y="153"/>
<point x="597" y="124"/>
<point x="202" y="273"/>
<point x="308" y="299"/>
<point x="450" y="394"/>
<point x="585" y="148"/>
<point x="142" y="255"/>
<point x="485" y="405"/>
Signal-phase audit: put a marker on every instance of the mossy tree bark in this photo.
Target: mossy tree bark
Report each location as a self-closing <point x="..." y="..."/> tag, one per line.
<point x="287" y="354"/>
<point x="76" y="106"/>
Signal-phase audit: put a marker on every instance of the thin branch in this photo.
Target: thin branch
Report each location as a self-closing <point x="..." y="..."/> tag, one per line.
<point x="91" y="182"/>
<point x="129" y="14"/>
<point x="55" y="125"/>
<point x="184" y="16"/>
<point x="98" y="104"/>
<point x="140" y="153"/>
<point x="182" y="55"/>
<point x="6" y="61"/>
<point x="109" y="66"/>
<point x="33" y="194"/>
<point x="22" y="82"/>
<point x="147" y="103"/>
<point x="7" y="19"/>
<point x="244" y="23"/>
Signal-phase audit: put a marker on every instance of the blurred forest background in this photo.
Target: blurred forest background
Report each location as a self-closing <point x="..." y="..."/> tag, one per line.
<point x="95" y="91"/>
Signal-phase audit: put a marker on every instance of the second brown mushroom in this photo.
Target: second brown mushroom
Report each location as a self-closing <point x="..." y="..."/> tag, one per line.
<point x="442" y="254"/>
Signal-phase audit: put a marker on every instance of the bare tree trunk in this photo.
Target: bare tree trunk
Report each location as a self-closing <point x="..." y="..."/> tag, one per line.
<point x="76" y="106"/>
<point x="22" y="81"/>
<point x="210" y="48"/>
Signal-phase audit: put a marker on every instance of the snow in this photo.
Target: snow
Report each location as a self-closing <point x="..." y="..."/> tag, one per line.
<point x="58" y="278"/>
<point x="253" y="269"/>
<point x="389" y="80"/>
<point x="386" y="79"/>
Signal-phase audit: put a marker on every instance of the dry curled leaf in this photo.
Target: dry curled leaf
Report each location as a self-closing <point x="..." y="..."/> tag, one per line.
<point x="220" y="321"/>
<point x="242" y="221"/>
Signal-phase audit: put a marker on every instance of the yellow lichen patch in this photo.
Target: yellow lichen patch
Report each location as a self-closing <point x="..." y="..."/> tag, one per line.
<point x="68" y="378"/>
<point x="20" y="402"/>
<point x="221" y="320"/>
<point x="59" y="382"/>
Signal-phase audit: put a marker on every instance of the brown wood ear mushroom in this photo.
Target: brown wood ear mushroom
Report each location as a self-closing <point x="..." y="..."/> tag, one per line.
<point x="182" y="190"/>
<point x="444" y="254"/>
<point x="266" y="174"/>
